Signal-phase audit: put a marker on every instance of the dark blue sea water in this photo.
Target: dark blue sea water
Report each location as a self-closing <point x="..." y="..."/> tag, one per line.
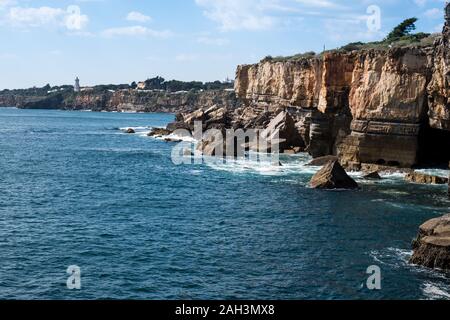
<point x="75" y="190"/>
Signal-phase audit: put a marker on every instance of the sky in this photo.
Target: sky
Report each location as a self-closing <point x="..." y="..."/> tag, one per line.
<point x="120" y="41"/>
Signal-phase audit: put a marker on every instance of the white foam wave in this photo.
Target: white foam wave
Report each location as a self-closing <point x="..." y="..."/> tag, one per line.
<point x="434" y="291"/>
<point x="435" y="172"/>
<point x="266" y="167"/>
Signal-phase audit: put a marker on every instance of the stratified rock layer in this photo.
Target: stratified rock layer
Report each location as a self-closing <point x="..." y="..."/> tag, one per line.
<point x="432" y="246"/>
<point x="368" y="106"/>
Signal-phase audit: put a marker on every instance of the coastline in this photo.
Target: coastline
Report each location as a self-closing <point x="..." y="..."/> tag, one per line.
<point x="121" y="192"/>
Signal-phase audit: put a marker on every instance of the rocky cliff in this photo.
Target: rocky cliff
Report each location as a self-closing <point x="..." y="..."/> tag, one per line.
<point x="380" y="105"/>
<point x="126" y="101"/>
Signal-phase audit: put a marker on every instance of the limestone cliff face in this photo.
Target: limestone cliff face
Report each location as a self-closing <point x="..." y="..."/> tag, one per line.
<point x="439" y="94"/>
<point x="366" y="106"/>
<point x="135" y="101"/>
<point x="280" y="84"/>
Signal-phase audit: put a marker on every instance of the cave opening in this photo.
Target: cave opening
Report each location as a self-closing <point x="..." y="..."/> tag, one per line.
<point x="434" y="147"/>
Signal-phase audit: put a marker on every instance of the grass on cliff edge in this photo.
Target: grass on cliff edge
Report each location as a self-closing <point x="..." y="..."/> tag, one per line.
<point x="420" y="40"/>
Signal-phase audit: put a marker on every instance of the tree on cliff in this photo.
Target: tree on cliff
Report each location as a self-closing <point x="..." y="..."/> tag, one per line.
<point x="403" y="29"/>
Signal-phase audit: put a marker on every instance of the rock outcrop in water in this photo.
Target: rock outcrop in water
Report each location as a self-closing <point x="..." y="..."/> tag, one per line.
<point x="432" y="246"/>
<point x="332" y="176"/>
<point x="417" y="177"/>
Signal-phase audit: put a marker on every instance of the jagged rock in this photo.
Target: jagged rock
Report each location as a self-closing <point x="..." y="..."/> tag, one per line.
<point x="130" y="131"/>
<point x="209" y="147"/>
<point x="321" y="161"/>
<point x="432" y="246"/>
<point x="284" y="126"/>
<point x="416" y="177"/>
<point x="365" y="106"/>
<point x="333" y="176"/>
<point x="173" y="140"/>
<point x="368" y="167"/>
<point x="372" y="176"/>
<point x="159" y="132"/>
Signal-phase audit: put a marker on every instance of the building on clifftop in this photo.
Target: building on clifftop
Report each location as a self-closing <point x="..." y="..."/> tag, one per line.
<point x="447" y="13"/>
<point x="77" y="87"/>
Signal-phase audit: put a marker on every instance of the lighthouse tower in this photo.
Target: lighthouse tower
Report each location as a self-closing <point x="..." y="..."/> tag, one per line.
<point x="77" y="85"/>
<point x="447" y="13"/>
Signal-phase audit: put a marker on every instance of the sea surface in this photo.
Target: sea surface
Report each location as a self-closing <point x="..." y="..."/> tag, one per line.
<point x="76" y="190"/>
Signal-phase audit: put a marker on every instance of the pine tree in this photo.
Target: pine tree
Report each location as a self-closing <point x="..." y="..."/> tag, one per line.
<point x="403" y="29"/>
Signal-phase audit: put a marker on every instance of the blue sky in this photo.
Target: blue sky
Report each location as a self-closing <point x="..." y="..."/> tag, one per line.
<point x="120" y="41"/>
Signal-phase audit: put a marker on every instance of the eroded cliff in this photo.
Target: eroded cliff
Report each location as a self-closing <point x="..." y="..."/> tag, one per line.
<point x="366" y="106"/>
<point x="129" y="101"/>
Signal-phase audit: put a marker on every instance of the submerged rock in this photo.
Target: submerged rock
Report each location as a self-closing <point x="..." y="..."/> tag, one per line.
<point x="373" y="176"/>
<point x="432" y="246"/>
<point x="333" y="176"/>
<point x="173" y="140"/>
<point x="130" y="131"/>
<point x="159" y="132"/>
<point x="422" y="178"/>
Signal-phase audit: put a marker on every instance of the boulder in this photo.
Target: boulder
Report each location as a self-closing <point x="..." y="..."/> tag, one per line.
<point x="130" y="131"/>
<point x="372" y="176"/>
<point x="159" y="132"/>
<point x="318" y="162"/>
<point x="416" y="177"/>
<point x="432" y="246"/>
<point x="173" y="140"/>
<point x="333" y="176"/>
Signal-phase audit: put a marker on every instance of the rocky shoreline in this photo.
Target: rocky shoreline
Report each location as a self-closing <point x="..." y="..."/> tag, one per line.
<point x="370" y="110"/>
<point x="375" y="109"/>
<point x="125" y="100"/>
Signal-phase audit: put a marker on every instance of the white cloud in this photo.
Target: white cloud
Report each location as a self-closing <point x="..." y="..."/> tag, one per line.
<point x="6" y="3"/>
<point x="74" y="19"/>
<point x="71" y="18"/>
<point x="254" y="15"/>
<point x="237" y="14"/>
<point x="138" y="17"/>
<point x="135" y="31"/>
<point x="317" y="3"/>
<point x="34" y="17"/>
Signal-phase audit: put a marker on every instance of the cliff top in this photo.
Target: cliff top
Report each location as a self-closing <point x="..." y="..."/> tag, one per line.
<point x="420" y="40"/>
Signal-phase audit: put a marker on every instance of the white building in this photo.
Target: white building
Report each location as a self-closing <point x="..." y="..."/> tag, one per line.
<point x="77" y="85"/>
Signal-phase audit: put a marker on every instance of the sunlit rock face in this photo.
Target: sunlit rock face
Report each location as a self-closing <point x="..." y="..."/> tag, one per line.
<point x="368" y="106"/>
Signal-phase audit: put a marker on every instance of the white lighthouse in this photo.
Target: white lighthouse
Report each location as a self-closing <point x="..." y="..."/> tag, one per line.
<point x="77" y="85"/>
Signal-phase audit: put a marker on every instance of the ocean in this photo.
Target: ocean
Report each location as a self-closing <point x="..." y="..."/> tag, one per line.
<point x="76" y="190"/>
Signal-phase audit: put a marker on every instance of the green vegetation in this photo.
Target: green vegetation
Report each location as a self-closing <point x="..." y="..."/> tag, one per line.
<point x="159" y="83"/>
<point x="297" y="57"/>
<point x="401" y="36"/>
<point x="403" y="29"/>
